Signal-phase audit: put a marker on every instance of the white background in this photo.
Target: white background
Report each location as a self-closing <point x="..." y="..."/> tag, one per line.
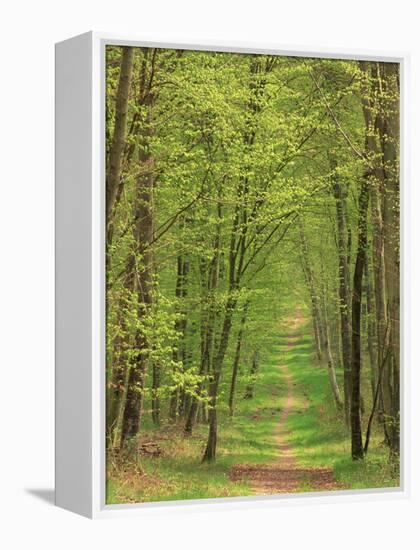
<point x="28" y="32"/>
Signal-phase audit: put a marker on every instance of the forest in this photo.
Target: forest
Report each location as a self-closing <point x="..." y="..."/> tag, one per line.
<point x="252" y="274"/>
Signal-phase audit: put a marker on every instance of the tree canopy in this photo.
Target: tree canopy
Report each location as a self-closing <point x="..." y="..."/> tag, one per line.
<point x="239" y="187"/>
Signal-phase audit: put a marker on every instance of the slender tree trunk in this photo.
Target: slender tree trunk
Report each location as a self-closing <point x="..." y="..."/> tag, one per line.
<point x="382" y="120"/>
<point x="236" y="360"/>
<point x="116" y="399"/>
<point x="310" y="281"/>
<point x="116" y="375"/>
<point x="344" y="292"/>
<point x="144" y="276"/>
<point x="371" y="329"/>
<point x="120" y="129"/>
<point x="179" y="354"/>
<point x="356" y="421"/>
<point x="320" y="314"/>
<point x="208" y="320"/>
<point x="155" y="394"/>
<point x="117" y="432"/>
<point x="316" y="330"/>
<point x="173" y="404"/>
<point x="388" y="126"/>
<point x="195" y="401"/>
<point x="369" y="177"/>
<point x="382" y="335"/>
<point x="210" y="451"/>
<point x="119" y="377"/>
<point x="329" y="356"/>
<point x="249" y="390"/>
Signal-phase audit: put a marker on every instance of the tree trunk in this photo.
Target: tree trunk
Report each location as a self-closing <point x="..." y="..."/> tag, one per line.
<point x="371" y="330"/>
<point x="320" y="314"/>
<point x="328" y="354"/>
<point x="143" y="269"/>
<point x="117" y="398"/>
<point x="388" y="127"/>
<point x="382" y="334"/>
<point x="316" y="330"/>
<point x="355" y="416"/>
<point x="116" y="433"/>
<point x="249" y="391"/>
<point x="209" y="310"/>
<point x="120" y="373"/>
<point x="204" y="365"/>
<point x="210" y="451"/>
<point x="236" y="360"/>
<point x="344" y="292"/>
<point x="310" y="281"/>
<point x="120" y="129"/>
<point x="179" y="354"/>
<point x="382" y="120"/>
<point x="155" y="394"/>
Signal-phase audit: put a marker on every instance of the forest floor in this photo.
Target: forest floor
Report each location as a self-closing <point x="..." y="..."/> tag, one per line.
<point x="289" y="438"/>
<point x="285" y="475"/>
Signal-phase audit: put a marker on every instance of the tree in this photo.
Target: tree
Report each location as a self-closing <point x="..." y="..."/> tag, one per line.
<point x="237" y="184"/>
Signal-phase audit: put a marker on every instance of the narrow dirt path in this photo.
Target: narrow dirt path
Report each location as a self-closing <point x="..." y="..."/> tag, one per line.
<point x="284" y="475"/>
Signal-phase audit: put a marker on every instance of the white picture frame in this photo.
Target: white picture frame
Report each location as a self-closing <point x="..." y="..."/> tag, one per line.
<point x="80" y="276"/>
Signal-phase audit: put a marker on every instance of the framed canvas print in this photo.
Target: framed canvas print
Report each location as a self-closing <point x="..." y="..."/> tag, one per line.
<point x="229" y="267"/>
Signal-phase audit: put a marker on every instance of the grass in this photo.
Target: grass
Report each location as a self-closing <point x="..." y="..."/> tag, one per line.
<point x="178" y="474"/>
<point x="317" y="435"/>
<point x="317" y="432"/>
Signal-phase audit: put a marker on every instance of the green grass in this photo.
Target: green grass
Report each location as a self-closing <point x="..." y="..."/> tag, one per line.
<point x="248" y="437"/>
<point x="317" y="435"/>
<point x="317" y="432"/>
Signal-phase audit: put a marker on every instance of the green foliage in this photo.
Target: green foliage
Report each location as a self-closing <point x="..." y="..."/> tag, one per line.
<point x="225" y="157"/>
